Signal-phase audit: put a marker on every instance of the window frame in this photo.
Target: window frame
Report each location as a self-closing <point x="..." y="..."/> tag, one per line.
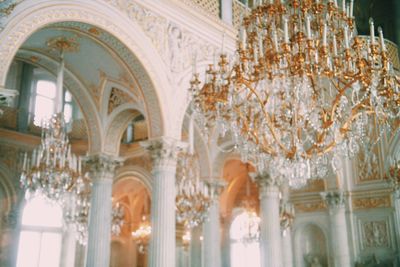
<point x="41" y="231"/>
<point x="42" y="75"/>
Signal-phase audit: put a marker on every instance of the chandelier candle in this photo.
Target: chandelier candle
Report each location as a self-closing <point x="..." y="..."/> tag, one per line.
<point x="302" y="89"/>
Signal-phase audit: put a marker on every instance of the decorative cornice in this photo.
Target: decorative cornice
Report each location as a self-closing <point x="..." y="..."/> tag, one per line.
<point x="163" y="151"/>
<point x="102" y="166"/>
<point x="371" y="202"/>
<point x="334" y="199"/>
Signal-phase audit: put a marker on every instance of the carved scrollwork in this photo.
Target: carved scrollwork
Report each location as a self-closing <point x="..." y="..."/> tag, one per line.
<point x="102" y="166"/>
<point x="117" y="98"/>
<point x="371" y="202"/>
<point x="175" y="45"/>
<point x="163" y="151"/>
<point x="333" y="199"/>
<point x="375" y="234"/>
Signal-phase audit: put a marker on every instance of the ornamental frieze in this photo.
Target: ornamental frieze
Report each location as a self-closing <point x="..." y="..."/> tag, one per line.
<point x="310" y="206"/>
<point x="371" y="202"/>
<point x="175" y="45"/>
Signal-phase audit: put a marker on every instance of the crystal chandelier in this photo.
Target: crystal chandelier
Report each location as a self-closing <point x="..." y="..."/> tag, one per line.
<point x="142" y="235"/>
<point x="250" y="226"/>
<point x="192" y="198"/>
<point x="118" y="221"/>
<point x="52" y="169"/>
<point x="77" y="207"/>
<point x="301" y="90"/>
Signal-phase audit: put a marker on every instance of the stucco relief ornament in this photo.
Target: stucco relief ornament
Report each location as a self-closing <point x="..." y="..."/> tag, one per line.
<point x="102" y="166"/>
<point x="174" y="44"/>
<point x="376" y="234"/>
<point x="333" y="199"/>
<point x="163" y="152"/>
<point x="6" y="8"/>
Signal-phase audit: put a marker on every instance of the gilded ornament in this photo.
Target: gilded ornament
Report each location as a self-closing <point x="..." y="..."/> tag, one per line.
<point x="372" y="202"/>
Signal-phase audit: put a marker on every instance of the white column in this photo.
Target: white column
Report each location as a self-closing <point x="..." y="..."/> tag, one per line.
<point x="226" y="244"/>
<point x="195" y="247"/>
<point x="211" y="227"/>
<point x="287" y="248"/>
<point x="337" y="217"/>
<point x="68" y="247"/>
<point x="102" y="169"/>
<point x="163" y="152"/>
<point x="286" y="221"/>
<point x="227" y="11"/>
<point x="10" y="234"/>
<point x="396" y="202"/>
<point x="271" y="246"/>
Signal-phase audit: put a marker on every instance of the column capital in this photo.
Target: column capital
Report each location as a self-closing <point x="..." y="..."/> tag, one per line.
<point x="265" y="180"/>
<point x="396" y="193"/>
<point x="334" y="199"/>
<point x="102" y="166"/>
<point x="164" y="150"/>
<point x="215" y="185"/>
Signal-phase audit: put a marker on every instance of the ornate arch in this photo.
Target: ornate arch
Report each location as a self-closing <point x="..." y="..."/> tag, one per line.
<point x="116" y="127"/>
<point x="7" y="188"/>
<point x="32" y="15"/>
<point x="78" y="90"/>
<point x="143" y="175"/>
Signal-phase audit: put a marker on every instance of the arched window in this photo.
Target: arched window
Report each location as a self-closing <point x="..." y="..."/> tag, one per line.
<point x="41" y="234"/>
<point x="245" y="246"/>
<point x="44" y="102"/>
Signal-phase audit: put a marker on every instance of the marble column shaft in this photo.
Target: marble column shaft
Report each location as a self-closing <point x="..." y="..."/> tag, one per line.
<point x="196" y="257"/>
<point x="287" y="250"/>
<point x="164" y="152"/>
<point x="211" y="228"/>
<point x="102" y="169"/>
<point x="271" y="244"/>
<point x="286" y="221"/>
<point x="337" y="217"/>
<point x="396" y="202"/>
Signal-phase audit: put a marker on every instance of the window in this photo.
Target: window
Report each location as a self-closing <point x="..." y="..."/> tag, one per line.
<point x="44" y="104"/>
<point x="245" y="250"/>
<point x="44" y="101"/>
<point x="67" y="107"/>
<point x="41" y="234"/>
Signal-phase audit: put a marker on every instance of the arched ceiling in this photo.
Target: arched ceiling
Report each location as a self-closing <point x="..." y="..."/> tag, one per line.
<point x="236" y="174"/>
<point x="135" y="197"/>
<point x="99" y="55"/>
